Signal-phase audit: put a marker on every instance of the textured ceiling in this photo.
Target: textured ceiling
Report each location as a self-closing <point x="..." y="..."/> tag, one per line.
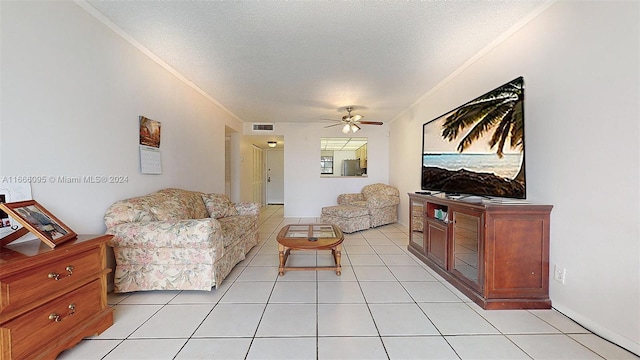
<point x="303" y="61"/>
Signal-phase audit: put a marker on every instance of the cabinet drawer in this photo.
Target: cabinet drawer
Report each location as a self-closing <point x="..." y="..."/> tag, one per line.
<point x="20" y="290"/>
<point x="53" y="321"/>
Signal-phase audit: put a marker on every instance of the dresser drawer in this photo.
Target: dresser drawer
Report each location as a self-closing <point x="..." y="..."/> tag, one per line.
<point x="19" y="290"/>
<point x="52" y="322"/>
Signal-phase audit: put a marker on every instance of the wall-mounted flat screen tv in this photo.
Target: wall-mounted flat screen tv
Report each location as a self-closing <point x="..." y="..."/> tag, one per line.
<point x="478" y="148"/>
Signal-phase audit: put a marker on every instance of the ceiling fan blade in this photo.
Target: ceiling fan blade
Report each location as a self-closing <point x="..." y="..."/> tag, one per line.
<point x="371" y="122"/>
<point x="331" y="119"/>
<point x="328" y="126"/>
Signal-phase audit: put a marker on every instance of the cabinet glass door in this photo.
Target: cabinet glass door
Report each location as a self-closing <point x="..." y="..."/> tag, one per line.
<point x="466" y="245"/>
<point x="417" y="225"/>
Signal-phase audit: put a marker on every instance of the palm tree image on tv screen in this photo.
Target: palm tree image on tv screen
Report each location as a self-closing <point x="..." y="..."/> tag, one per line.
<point x="478" y="148"/>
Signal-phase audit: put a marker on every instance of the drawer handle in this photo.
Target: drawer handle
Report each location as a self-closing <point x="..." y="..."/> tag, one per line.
<point x="56" y="276"/>
<point x="57" y="318"/>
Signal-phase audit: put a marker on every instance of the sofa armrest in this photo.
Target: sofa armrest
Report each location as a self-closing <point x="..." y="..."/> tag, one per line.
<point x="382" y="201"/>
<point x="347" y="199"/>
<point x="191" y="233"/>
<point x="247" y="208"/>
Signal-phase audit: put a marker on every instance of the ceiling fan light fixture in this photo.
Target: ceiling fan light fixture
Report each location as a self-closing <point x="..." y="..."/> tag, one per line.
<point x="351" y="123"/>
<point x="272" y="144"/>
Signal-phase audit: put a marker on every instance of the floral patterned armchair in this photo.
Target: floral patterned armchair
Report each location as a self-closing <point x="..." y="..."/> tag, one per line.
<point x="380" y="199"/>
<point x="177" y="239"/>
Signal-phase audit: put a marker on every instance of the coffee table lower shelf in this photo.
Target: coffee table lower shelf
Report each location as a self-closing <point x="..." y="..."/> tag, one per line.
<point x="284" y="255"/>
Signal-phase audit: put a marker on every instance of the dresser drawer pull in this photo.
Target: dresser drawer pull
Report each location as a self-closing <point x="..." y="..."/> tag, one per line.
<point x="56" y="276"/>
<point x="57" y="318"/>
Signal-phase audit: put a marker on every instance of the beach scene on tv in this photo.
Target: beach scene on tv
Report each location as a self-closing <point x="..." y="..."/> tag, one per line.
<point x="478" y="148"/>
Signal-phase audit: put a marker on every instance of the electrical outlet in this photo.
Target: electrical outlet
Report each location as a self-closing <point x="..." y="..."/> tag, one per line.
<point x="559" y="274"/>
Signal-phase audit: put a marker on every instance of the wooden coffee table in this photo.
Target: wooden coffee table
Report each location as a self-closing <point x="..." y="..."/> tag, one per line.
<point x="310" y="237"/>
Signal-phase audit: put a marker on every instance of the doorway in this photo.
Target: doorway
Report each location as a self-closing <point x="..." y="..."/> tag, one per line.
<point x="275" y="176"/>
<point x="253" y="174"/>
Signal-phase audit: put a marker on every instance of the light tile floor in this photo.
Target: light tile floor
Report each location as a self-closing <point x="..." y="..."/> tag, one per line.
<point x="385" y="305"/>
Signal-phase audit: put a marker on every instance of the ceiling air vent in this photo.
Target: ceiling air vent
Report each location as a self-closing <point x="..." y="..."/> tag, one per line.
<point x="262" y="127"/>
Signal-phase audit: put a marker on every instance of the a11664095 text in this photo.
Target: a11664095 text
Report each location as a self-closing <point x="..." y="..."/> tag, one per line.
<point x="63" y="179"/>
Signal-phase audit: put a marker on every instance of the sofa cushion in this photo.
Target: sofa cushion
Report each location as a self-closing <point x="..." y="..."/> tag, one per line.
<point x="137" y="209"/>
<point x="172" y="208"/>
<point x="347" y="224"/>
<point x="165" y="214"/>
<point x="382" y="201"/>
<point x="345" y="211"/>
<point x="190" y="203"/>
<point x="235" y="227"/>
<point x="362" y="204"/>
<point x="191" y="233"/>
<point x="379" y="189"/>
<point x="348" y="199"/>
<point x="219" y="206"/>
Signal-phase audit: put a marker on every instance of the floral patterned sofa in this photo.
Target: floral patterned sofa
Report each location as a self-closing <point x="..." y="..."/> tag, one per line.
<point x="177" y="239"/>
<point x="375" y="205"/>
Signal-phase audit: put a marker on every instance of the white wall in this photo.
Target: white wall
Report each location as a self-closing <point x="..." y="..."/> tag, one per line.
<point x="71" y="94"/>
<point x="580" y="62"/>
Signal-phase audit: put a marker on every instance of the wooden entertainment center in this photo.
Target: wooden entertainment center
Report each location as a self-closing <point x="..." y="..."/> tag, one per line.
<point x="496" y="253"/>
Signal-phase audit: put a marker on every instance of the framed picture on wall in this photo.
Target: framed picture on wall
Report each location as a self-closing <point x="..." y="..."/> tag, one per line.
<point x="35" y="218"/>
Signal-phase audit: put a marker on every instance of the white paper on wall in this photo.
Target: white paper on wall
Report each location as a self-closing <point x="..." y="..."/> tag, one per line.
<point x="150" y="160"/>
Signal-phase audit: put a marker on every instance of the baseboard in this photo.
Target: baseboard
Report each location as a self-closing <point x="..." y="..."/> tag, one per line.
<point x="598" y="330"/>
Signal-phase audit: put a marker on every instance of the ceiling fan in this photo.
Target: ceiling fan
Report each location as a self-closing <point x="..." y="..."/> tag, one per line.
<point x="351" y="122"/>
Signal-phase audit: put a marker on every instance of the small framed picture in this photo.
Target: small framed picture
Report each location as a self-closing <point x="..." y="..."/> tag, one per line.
<point x="4" y="217"/>
<point x="35" y="218"/>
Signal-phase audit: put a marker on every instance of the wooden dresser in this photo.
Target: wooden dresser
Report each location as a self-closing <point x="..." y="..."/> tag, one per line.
<point x="52" y="298"/>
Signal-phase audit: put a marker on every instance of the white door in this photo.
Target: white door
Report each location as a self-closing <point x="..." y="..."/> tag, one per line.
<point x="275" y="176"/>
